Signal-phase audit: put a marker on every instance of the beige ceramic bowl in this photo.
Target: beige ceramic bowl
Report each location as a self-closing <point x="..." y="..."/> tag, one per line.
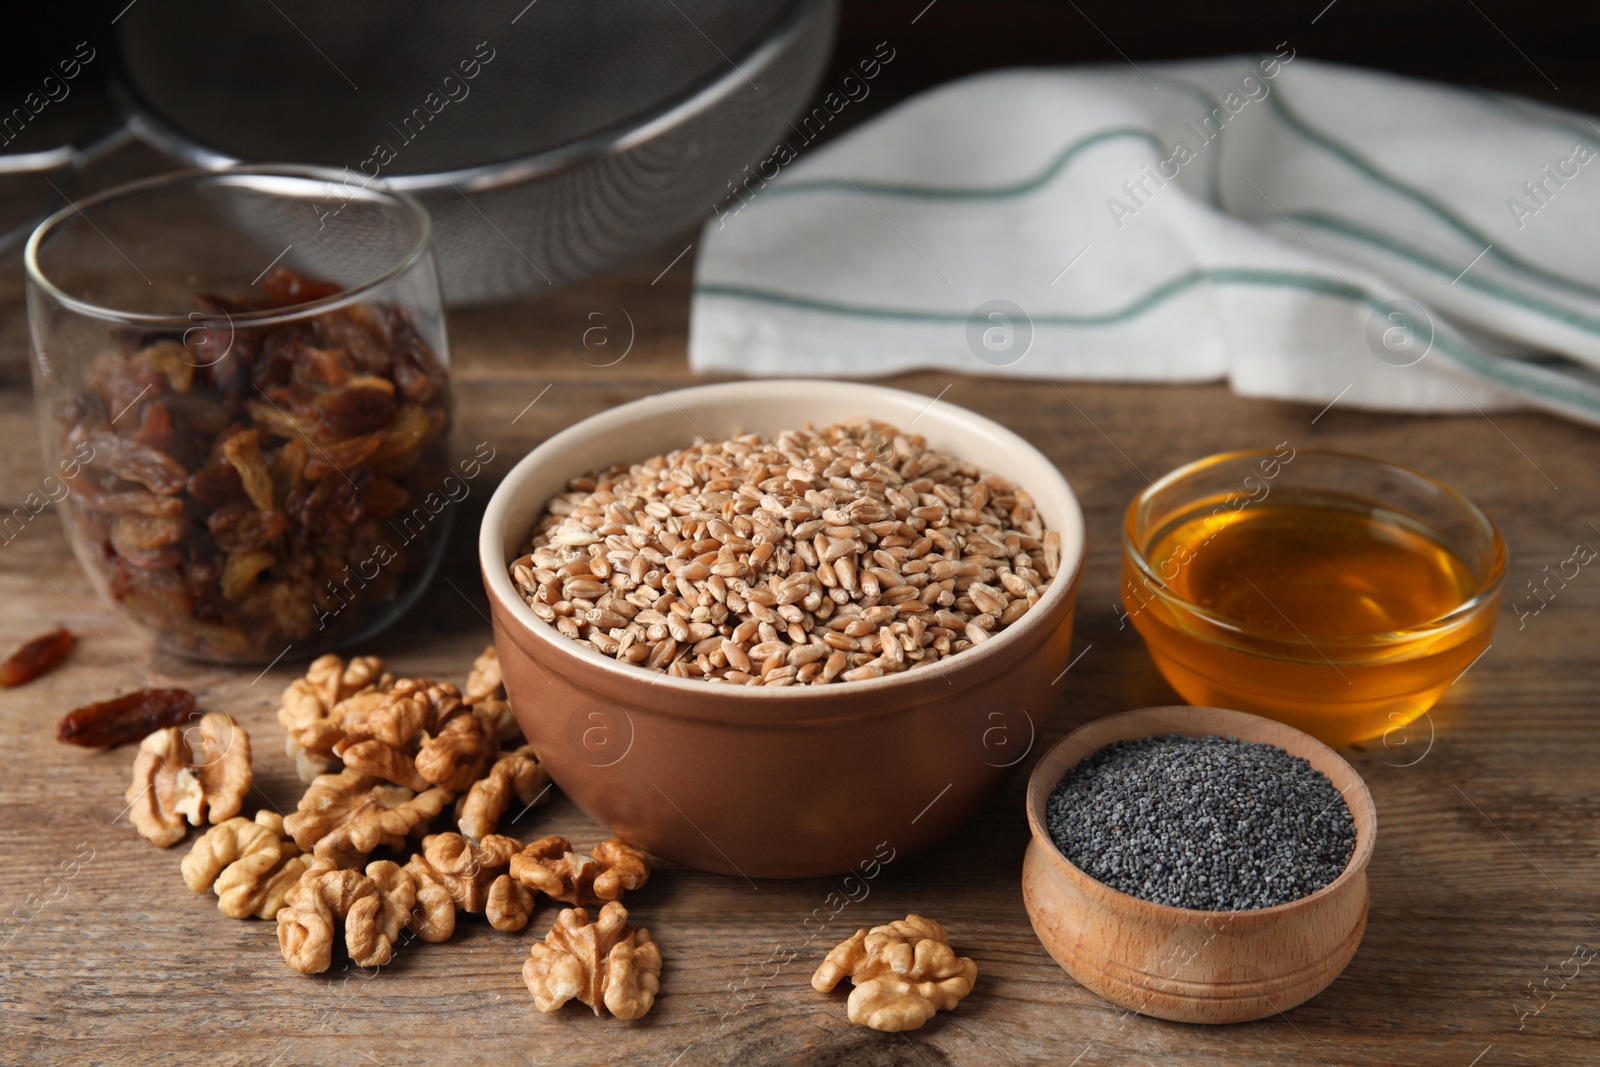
<point x="784" y="782"/>
<point x="1179" y="963"/>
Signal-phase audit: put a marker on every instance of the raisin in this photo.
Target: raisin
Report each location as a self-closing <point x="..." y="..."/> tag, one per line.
<point x="134" y="462"/>
<point x="40" y="656"/>
<point x="413" y="427"/>
<point x="84" y="411"/>
<point x="172" y="361"/>
<point x="240" y="526"/>
<point x="342" y="457"/>
<point x="272" y="418"/>
<point x="155" y="427"/>
<point x="147" y="540"/>
<point x="243" y="450"/>
<point x="131" y="502"/>
<point x="280" y="351"/>
<point x="201" y="575"/>
<point x="417" y="370"/>
<point x="197" y="415"/>
<point x="216" y="484"/>
<point x="360" y="333"/>
<point x="292" y="609"/>
<point x="243" y="567"/>
<point x="362" y="406"/>
<point x="285" y="287"/>
<point x="384" y="498"/>
<point x="119" y="382"/>
<point x="155" y="593"/>
<point x="316" y="369"/>
<point x="135" y="530"/>
<point x="335" y="503"/>
<point x="130" y="717"/>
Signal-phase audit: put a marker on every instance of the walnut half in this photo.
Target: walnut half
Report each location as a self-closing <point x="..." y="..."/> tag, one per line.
<point x="550" y="866"/>
<point x="214" y="784"/>
<point x="604" y="962"/>
<point x="313" y="708"/>
<point x="373" y="908"/>
<point x="903" y="973"/>
<point x="419" y="735"/>
<point x="474" y="876"/>
<point x="344" y="816"/>
<point x="250" y="864"/>
<point x="517" y="775"/>
<point x="175" y="786"/>
<point x="152" y="796"/>
<point x="485" y="681"/>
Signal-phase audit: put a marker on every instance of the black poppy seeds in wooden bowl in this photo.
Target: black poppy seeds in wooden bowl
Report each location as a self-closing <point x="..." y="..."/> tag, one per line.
<point x="1210" y="823"/>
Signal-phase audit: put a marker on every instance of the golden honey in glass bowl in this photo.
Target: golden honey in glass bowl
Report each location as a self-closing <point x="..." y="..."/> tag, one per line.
<point x="1339" y="594"/>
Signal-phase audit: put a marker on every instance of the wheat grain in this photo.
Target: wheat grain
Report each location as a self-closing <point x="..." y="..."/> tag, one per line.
<point x="839" y="554"/>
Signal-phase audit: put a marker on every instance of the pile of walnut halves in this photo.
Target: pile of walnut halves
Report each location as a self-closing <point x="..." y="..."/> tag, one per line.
<point x="385" y="758"/>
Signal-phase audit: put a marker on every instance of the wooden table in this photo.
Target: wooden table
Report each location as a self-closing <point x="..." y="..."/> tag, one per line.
<point x="1483" y="884"/>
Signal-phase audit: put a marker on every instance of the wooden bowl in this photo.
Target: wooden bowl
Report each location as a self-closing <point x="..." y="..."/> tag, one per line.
<point x="1180" y="963"/>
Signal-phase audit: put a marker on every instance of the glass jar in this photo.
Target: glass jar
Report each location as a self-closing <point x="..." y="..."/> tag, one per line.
<point x="241" y="381"/>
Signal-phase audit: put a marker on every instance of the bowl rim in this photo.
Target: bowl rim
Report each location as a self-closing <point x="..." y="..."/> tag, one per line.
<point x="624" y="135"/>
<point x="349" y="186"/>
<point x="1455" y="617"/>
<point x="493" y="554"/>
<point x="1250" y="728"/>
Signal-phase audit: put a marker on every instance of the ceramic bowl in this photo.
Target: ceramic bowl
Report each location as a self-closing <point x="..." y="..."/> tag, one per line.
<point x="777" y="782"/>
<point x="1179" y="963"/>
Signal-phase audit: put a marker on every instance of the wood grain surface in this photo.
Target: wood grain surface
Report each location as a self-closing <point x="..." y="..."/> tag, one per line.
<point x="1483" y="884"/>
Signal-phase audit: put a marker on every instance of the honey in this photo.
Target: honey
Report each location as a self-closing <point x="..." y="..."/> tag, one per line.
<point x="1321" y="610"/>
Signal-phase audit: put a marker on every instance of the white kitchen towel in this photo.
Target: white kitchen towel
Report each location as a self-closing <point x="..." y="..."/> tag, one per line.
<point x="1302" y="230"/>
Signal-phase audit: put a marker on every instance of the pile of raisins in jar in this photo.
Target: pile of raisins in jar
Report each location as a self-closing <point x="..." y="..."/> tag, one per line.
<point x="237" y="504"/>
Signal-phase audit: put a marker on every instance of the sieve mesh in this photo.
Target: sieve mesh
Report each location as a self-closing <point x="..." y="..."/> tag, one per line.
<point x="553" y="161"/>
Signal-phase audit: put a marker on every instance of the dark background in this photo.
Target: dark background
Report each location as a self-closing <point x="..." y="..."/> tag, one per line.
<point x="1447" y="40"/>
<point x="1545" y="50"/>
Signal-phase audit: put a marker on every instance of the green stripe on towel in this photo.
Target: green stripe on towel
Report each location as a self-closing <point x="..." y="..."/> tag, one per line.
<point x="1529" y="380"/>
<point x="990" y="192"/>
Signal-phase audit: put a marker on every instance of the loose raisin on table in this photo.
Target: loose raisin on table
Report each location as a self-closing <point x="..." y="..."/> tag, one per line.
<point x="40" y="656"/>
<point x="126" y="718"/>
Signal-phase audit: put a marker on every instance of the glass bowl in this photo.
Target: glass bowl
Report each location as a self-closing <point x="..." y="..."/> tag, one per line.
<point x="243" y="398"/>
<point x="1337" y="593"/>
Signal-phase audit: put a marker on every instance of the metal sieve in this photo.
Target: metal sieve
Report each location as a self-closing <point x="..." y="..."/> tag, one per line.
<point x="549" y="140"/>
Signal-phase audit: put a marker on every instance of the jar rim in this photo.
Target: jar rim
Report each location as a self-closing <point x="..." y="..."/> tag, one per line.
<point x="352" y="186"/>
<point x="1455" y="617"/>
